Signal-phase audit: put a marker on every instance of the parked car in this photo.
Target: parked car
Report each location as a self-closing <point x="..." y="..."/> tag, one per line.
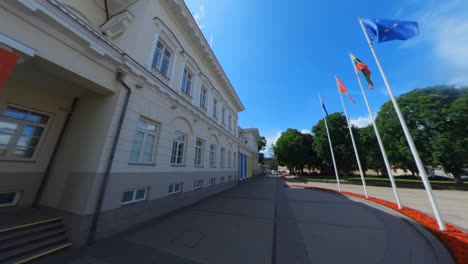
<point x="285" y="173"/>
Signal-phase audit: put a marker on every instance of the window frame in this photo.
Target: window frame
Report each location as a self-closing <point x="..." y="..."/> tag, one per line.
<point x="134" y="200"/>
<point x="203" y="105"/>
<point x="183" y="87"/>
<point x="145" y="132"/>
<point x="229" y="157"/>
<point x="222" y="155"/>
<point x="212" y="156"/>
<point x="215" y="107"/>
<point x="15" y="201"/>
<point x="21" y="124"/>
<point x="223" y="116"/>
<point x="158" y="65"/>
<point x="199" y="152"/>
<point x="181" y="187"/>
<point x="198" y="184"/>
<point x="175" y="149"/>
<point x="212" y="181"/>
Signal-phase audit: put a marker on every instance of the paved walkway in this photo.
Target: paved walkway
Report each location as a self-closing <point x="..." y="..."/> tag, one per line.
<point x="263" y="221"/>
<point x="452" y="203"/>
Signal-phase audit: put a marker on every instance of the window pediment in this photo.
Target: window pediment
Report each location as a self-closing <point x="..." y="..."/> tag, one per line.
<point x="167" y="35"/>
<point x="117" y="24"/>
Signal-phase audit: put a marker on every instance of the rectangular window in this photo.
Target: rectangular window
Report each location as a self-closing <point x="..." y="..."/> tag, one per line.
<point x="203" y="96"/>
<point x="222" y="155"/>
<point x="235" y="160"/>
<point x="187" y="82"/>
<point x="229" y="159"/>
<point x="175" y="187"/>
<point x="215" y="108"/>
<point x="229" y="177"/>
<point x="9" y="198"/>
<point x="199" y="152"/>
<point x="198" y="184"/>
<point x="21" y="131"/>
<point x="144" y="142"/>
<point x="161" y="59"/>
<point x="178" y="148"/>
<point x="212" y="181"/>
<point x="230" y="122"/>
<point x="134" y="195"/>
<point x="212" y="156"/>
<point x="223" y="116"/>
<point x="222" y="179"/>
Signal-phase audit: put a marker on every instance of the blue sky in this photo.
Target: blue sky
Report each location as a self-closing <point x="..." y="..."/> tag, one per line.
<point x="277" y="54"/>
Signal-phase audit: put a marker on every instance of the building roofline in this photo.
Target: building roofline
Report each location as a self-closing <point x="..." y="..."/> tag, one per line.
<point x="198" y="34"/>
<point x="253" y="130"/>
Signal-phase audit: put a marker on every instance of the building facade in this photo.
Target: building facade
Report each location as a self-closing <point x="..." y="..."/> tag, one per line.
<point x="249" y="163"/>
<point x="117" y="112"/>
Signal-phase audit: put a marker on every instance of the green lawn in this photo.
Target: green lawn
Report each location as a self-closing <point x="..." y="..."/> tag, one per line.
<point x="399" y="180"/>
<point x="377" y="179"/>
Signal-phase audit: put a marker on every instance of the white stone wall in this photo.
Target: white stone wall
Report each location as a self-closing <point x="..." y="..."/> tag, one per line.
<point x="77" y="174"/>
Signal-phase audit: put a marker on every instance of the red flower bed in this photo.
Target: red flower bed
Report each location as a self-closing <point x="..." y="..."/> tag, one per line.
<point x="454" y="239"/>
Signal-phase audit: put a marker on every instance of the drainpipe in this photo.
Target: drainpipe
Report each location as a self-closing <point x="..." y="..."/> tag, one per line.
<point x="105" y="180"/>
<point x="106" y="7"/>
<point x="46" y="177"/>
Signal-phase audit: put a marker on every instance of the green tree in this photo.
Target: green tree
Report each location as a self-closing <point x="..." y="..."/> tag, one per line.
<point x="261" y="158"/>
<point x="261" y="144"/>
<point x="291" y="150"/>
<point x="312" y="160"/>
<point x="341" y="140"/>
<point x="371" y="156"/>
<point x="450" y="146"/>
<point x="428" y="114"/>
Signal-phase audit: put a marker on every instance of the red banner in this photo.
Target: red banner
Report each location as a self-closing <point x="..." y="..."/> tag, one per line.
<point x="7" y="63"/>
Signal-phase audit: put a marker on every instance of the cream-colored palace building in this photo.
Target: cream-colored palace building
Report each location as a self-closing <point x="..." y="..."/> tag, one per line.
<point x="116" y="112"/>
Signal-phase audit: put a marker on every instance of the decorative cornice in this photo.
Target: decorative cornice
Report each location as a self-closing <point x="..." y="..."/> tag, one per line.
<point x="181" y="10"/>
<point x="254" y="131"/>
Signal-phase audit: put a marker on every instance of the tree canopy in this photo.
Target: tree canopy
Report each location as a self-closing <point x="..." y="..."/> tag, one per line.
<point x="293" y="149"/>
<point x="341" y="140"/>
<point x="437" y="118"/>
<point x="261" y="144"/>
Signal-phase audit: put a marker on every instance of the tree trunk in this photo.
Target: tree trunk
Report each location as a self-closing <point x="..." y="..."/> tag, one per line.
<point x="458" y="179"/>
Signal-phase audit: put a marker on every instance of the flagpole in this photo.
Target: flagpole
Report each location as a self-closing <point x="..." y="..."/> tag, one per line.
<point x="377" y="134"/>
<point x="354" y="144"/>
<point x="331" y="147"/>
<point x="409" y="139"/>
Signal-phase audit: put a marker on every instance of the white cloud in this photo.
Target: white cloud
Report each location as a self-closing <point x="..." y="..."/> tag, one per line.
<point x="211" y="40"/>
<point x="444" y="26"/>
<point x="305" y="131"/>
<point x="198" y="15"/>
<point x="271" y="140"/>
<point x="361" y="121"/>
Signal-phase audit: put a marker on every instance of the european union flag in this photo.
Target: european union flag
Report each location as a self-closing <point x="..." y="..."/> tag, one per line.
<point x="386" y="29"/>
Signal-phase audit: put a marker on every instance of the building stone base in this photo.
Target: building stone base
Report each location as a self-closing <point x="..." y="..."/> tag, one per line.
<point x="125" y="217"/>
